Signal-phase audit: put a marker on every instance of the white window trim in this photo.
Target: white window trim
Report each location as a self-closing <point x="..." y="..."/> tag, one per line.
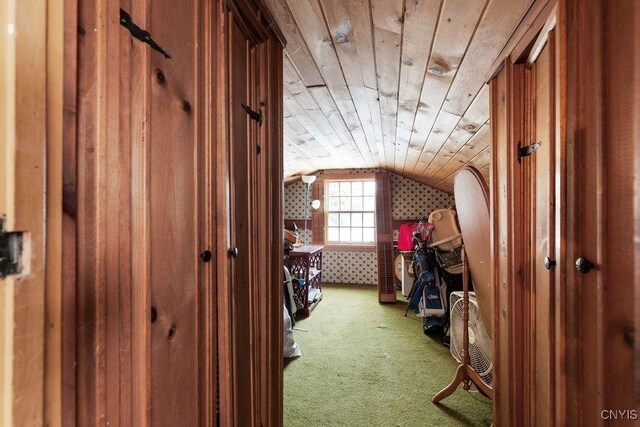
<point x="346" y="245"/>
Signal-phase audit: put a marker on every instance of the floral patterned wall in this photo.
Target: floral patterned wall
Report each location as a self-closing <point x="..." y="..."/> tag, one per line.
<point x="410" y="200"/>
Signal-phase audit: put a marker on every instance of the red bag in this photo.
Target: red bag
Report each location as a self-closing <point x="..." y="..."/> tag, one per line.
<point x="405" y="236"/>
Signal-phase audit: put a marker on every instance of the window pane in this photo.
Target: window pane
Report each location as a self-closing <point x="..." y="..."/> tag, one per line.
<point x="345" y="220"/>
<point x="367" y="235"/>
<point x="334" y="203"/>
<point x="369" y="204"/>
<point x="350" y="211"/>
<point x="345" y="188"/>
<point x="367" y="220"/>
<point x="345" y="203"/>
<point x="369" y="188"/>
<point x="356" y="189"/>
<point x="334" y="189"/>
<point x="356" y="203"/>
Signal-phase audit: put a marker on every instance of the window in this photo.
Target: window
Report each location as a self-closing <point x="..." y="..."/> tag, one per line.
<point x="350" y="211"/>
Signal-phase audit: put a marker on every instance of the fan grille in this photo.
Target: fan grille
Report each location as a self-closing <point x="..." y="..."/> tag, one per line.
<point x="479" y="341"/>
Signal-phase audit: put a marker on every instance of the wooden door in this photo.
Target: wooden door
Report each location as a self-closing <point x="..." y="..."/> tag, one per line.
<point x="524" y="209"/>
<point x="565" y="343"/>
<point x="143" y="336"/>
<point x="602" y="69"/>
<point x="242" y="276"/>
<point x="251" y="296"/>
<point x="539" y="184"/>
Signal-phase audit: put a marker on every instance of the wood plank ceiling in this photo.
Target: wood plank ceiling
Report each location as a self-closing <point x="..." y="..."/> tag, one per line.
<point x="395" y="84"/>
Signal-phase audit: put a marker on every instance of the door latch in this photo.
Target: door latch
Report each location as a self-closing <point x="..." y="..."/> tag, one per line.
<point x="142" y="35"/>
<point x="10" y="252"/>
<point x="527" y="150"/>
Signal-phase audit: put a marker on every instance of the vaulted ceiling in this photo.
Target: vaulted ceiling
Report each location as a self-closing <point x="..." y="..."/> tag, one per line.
<point x="396" y="84"/>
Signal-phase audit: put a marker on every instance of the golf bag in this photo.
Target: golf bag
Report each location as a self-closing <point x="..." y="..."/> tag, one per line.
<point x="429" y="293"/>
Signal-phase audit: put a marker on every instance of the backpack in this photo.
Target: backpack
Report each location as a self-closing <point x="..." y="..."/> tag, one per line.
<point x="405" y="236"/>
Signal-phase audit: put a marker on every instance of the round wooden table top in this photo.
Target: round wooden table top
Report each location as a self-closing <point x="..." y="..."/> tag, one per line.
<point x="472" y="204"/>
<point x="397" y="264"/>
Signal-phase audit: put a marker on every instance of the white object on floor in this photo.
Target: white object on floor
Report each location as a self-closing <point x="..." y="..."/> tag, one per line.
<point x="313" y="294"/>
<point x="290" y="347"/>
<point x="407" y="281"/>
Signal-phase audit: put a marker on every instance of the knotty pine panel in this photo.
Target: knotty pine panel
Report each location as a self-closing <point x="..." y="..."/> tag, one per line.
<point x="172" y="214"/>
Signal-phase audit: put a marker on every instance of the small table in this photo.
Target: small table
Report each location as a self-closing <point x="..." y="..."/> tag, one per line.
<point x="305" y="263"/>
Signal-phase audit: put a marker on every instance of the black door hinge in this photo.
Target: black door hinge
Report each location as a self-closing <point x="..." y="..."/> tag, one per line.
<point x="527" y="150"/>
<point x="10" y="252"/>
<point x="139" y="33"/>
<point x="254" y="115"/>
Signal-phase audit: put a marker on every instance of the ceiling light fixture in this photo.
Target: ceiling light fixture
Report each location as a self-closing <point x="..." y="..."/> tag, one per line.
<point x="308" y="179"/>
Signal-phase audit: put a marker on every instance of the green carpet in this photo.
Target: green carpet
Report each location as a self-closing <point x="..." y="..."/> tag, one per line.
<point x="364" y="364"/>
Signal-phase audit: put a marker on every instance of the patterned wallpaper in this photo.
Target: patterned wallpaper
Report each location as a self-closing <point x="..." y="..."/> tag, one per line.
<point x="294" y="197"/>
<point x="350" y="267"/>
<point x="410" y="200"/>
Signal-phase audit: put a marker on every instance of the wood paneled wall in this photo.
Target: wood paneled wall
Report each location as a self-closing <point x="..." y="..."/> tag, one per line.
<point x="507" y="245"/>
<point x="565" y="339"/>
<point x="600" y="138"/>
<point x="24" y="123"/>
<point x="156" y="319"/>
